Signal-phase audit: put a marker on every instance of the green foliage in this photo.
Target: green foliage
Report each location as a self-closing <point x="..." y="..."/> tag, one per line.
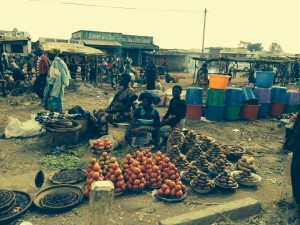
<point x="251" y="46"/>
<point x="275" y="47"/>
<point x="62" y="161"/>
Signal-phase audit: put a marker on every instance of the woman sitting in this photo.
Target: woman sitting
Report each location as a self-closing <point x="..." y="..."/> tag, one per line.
<point x="144" y="127"/>
<point x="175" y="116"/>
<point x="121" y="107"/>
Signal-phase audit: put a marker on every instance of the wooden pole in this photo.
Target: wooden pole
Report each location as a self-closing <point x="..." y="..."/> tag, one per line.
<point x="100" y="202"/>
<point x="205" y="11"/>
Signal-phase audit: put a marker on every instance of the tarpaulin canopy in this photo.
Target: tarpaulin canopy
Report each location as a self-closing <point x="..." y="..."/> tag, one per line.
<point x="71" y="48"/>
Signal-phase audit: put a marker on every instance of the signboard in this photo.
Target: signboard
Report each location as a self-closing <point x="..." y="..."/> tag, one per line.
<point x="57" y="40"/>
<point x="137" y="39"/>
<point x="5" y="33"/>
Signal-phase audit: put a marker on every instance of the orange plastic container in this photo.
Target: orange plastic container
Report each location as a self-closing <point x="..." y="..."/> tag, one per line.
<point x="194" y="111"/>
<point x="217" y="81"/>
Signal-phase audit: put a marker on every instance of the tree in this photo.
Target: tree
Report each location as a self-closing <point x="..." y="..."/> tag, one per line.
<point x="251" y="46"/>
<point x="275" y="47"/>
<point x="255" y="47"/>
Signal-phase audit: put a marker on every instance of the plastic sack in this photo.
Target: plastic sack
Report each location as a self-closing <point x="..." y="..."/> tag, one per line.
<point x="28" y="128"/>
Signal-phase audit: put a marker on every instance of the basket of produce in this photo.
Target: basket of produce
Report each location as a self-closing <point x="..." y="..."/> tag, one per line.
<point x="101" y="145"/>
<point x="67" y="176"/>
<point x="246" y="162"/>
<point x="171" y="191"/>
<point x="226" y="181"/>
<point x="21" y="202"/>
<point x="62" y="132"/>
<point x="7" y="199"/>
<point x="233" y="152"/>
<point x="246" y="178"/>
<point x="202" y="186"/>
<point x="59" y="198"/>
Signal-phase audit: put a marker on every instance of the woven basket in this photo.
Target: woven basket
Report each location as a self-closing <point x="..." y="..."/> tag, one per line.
<point x="62" y="136"/>
<point x="84" y="126"/>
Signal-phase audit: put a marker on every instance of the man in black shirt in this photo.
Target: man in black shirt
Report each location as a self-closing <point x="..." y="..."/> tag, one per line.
<point x="175" y="115"/>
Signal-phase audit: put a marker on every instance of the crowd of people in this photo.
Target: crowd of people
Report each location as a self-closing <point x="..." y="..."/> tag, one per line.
<point x="146" y="126"/>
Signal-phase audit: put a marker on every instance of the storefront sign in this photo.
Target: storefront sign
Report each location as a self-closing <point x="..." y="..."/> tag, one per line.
<point x="136" y="39"/>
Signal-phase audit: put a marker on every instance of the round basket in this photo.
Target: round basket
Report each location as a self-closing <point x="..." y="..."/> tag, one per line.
<point x="39" y="197"/>
<point x="19" y="204"/>
<point x="62" y="136"/>
<point x="246" y="183"/>
<point x="233" y="155"/>
<point x="6" y="204"/>
<point x="55" y="179"/>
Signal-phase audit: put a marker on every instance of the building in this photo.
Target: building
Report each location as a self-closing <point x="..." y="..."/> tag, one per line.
<point x="15" y="43"/>
<point x="117" y="44"/>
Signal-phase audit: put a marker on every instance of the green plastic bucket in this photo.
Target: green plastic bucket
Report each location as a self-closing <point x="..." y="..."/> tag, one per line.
<point x="215" y="97"/>
<point x="290" y="108"/>
<point x="232" y="112"/>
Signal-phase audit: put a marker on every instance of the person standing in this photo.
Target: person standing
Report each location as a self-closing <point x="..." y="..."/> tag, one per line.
<point x="42" y="67"/>
<point x="151" y="75"/>
<point x="73" y="68"/>
<point x="175" y="116"/>
<point x="58" y="78"/>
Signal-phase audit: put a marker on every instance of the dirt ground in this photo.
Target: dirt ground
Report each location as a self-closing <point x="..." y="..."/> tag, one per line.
<point x="20" y="159"/>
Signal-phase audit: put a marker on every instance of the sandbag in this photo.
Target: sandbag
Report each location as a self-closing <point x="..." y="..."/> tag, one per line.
<point x="28" y="128"/>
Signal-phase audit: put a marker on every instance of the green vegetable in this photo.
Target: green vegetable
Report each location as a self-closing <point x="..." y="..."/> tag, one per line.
<point x="62" y="161"/>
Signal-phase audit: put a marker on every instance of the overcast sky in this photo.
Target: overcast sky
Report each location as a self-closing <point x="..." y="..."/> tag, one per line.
<point x="172" y="23"/>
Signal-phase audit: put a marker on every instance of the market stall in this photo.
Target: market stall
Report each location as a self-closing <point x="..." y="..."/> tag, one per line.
<point x="83" y="55"/>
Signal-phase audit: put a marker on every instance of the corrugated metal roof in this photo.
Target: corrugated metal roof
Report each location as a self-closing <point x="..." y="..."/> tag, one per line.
<point x="140" y="46"/>
<point x="71" y="48"/>
<point x="102" y="43"/>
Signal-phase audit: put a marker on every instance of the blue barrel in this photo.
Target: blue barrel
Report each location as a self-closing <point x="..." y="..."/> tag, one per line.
<point x="292" y="97"/>
<point x="214" y="113"/>
<point x="264" y="79"/>
<point x="233" y="96"/>
<point x="193" y="96"/>
<point x="263" y="110"/>
<point x="278" y="94"/>
<point x="248" y="95"/>
<point x="262" y="94"/>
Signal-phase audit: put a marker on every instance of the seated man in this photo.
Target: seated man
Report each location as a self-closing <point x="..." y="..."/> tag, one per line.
<point x="145" y="124"/>
<point x="175" y="116"/>
<point x="121" y="107"/>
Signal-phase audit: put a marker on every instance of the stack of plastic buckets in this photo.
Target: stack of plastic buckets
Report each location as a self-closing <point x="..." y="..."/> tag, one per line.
<point x="250" y="107"/>
<point x="233" y="103"/>
<point x="193" y="100"/>
<point x="278" y="100"/>
<point x="215" y="99"/>
<point x="263" y="95"/>
<point x="292" y="102"/>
